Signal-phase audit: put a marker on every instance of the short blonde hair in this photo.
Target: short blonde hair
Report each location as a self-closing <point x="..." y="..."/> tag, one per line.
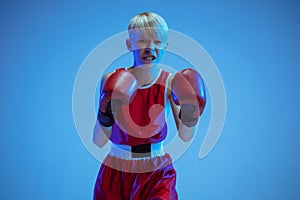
<point x="149" y="23"/>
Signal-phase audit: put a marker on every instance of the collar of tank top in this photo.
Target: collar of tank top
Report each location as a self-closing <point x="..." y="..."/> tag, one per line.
<point x="147" y="85"/>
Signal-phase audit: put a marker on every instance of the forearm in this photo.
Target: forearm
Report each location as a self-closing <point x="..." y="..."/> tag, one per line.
<point x="101" y="134"/>
<point x="185" y="133"/>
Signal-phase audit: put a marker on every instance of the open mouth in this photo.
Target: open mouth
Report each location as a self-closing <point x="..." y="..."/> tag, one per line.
<point x="149" y="58"/>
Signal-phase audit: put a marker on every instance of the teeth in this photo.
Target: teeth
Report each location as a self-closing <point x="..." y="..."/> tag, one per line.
<point x="149" y="58"/>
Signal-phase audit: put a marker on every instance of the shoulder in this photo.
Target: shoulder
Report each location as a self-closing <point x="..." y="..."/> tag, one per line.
<point x="108" y="74"/>
<point x="105" y="77"/>
<point x="169" y="79"/>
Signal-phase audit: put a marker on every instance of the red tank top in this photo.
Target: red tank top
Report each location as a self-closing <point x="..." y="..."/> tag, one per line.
<point x="143" y="121"/>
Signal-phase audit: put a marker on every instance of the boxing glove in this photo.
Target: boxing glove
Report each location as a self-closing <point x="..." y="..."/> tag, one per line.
<point x="118" y="89"/>
<point x="188" y="91"/>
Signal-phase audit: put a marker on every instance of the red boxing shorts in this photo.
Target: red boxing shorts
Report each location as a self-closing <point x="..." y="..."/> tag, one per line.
<point x="157" y="182"/>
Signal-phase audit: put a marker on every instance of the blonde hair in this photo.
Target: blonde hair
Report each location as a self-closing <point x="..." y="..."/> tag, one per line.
<point x="149" y="23"/>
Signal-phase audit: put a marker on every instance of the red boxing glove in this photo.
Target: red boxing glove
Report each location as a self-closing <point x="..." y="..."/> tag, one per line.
<point x="118" y="89"/>
<point x="188" y="91"/>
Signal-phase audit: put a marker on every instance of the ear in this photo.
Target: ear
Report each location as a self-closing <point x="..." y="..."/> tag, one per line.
<point x="128" y="44"/>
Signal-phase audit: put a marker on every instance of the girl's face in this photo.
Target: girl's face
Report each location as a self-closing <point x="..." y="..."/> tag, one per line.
<point x="148" y="47"/>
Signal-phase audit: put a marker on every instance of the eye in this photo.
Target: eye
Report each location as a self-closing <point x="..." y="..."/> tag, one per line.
<point x="157" y="42"/>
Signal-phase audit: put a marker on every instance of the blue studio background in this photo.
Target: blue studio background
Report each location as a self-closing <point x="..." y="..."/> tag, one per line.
<point x="255" y="45"/>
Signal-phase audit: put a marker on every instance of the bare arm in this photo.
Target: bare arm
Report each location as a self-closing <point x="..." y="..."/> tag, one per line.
<point x="185" y="133"/>
<point x="101" y="134"/>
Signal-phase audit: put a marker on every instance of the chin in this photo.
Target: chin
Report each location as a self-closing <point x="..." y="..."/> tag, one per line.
<point x="149" y="65"/>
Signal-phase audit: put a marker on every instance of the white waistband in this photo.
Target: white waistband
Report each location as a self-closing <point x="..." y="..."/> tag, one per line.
<point x="124" y="151"/>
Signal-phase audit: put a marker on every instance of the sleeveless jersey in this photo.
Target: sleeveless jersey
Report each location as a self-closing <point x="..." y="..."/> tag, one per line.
<point x="143" y="121"/>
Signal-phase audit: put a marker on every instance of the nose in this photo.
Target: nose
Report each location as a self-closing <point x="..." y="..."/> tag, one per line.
<point x="148" y="50"/>
<point x="150" y="46"/>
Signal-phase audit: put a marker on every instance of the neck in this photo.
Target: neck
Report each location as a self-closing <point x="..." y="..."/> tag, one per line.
<point x="144" y="75"/>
